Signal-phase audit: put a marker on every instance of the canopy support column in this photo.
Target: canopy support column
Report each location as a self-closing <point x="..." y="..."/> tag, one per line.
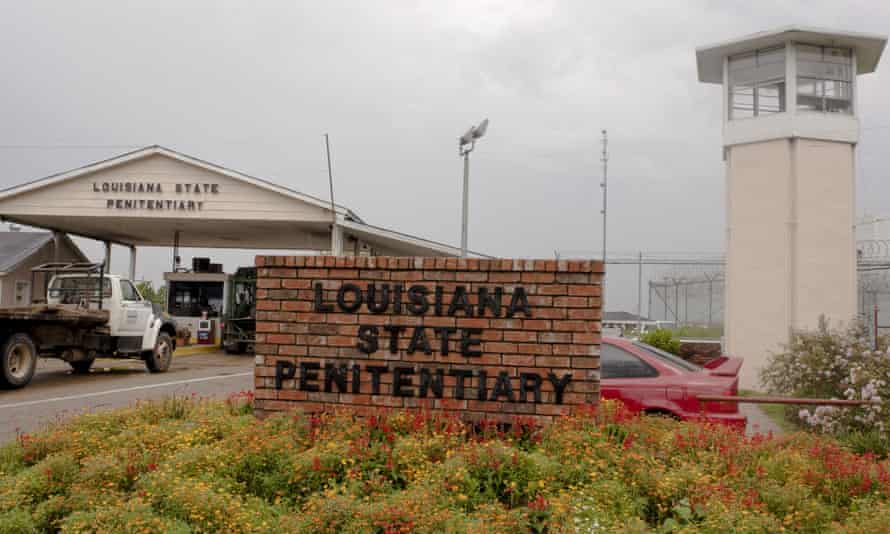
<point x="132" y="262"/>
<point x="108" y="256"/>
<point x="336" y="240"/>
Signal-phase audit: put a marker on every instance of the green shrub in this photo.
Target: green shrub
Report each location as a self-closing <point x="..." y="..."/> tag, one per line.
<point x="132" y="517"/>
<point x="662" y="339"/>
<point x="17" y="521"/>
<point x="204" y="467"/>
<point x="12" y="458"/>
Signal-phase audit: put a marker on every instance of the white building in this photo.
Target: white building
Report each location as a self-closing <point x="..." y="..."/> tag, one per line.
<point x="789" y="138"/>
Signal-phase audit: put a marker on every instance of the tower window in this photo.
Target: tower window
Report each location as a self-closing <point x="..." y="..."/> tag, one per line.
<point x="757" y="83"/>
<point x="824" y="79"/>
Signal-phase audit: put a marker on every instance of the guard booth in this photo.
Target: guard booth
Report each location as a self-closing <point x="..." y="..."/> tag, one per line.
<point x="196" y="300"/>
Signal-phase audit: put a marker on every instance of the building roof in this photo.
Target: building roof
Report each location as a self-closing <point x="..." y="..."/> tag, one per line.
<point x="16" y="247"/>
<point x="623" y="316"/>
<point x="245" y="212"/>
<point x="185" y="158"/>
<point x="868" y="47"/>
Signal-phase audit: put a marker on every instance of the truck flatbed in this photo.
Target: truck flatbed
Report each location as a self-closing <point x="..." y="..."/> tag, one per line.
<point x="68" y="314"/>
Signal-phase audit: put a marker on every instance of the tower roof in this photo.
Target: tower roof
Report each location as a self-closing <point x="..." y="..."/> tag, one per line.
<point x="868" y="47"/>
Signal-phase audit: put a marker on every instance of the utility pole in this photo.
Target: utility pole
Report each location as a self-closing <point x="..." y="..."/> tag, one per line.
<point x="640" y="295"/>
<point x="604" y="184"/>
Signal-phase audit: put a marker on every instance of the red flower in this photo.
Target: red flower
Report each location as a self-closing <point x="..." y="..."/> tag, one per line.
<point x="628" y="441"/>
<point x="540" y="503"/>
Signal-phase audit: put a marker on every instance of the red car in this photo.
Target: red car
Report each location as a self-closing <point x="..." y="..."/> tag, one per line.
<point x="649" y="380"/>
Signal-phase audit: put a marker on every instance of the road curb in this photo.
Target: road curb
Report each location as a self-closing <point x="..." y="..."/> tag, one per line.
<point x="195" y="350"/>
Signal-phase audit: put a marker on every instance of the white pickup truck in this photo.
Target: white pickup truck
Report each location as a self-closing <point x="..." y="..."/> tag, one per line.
<point x="78" y="325"/>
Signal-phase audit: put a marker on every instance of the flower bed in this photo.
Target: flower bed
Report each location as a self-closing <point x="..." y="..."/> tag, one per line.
<point x="199" y="466"/>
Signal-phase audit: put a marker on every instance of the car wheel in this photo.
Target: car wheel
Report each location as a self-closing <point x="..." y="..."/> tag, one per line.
<point x="18" y="361"/>
<point x="158" y="360"/>
<point x="81" y="367"/>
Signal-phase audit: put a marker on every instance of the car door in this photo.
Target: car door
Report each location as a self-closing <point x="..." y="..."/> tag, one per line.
<point x="626" y="377"/>
<point x="135" y="312"/>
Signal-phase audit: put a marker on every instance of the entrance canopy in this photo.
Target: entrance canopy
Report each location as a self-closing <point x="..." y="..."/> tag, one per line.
<point x="159" y="197"/>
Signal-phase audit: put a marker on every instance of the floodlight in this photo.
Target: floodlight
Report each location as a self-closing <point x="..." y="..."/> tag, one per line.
<point x="468" y="137"/>
<point x="479" y="131"/>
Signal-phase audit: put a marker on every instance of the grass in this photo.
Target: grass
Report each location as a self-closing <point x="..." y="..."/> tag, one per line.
<point x="189" y="466"/>
<point x="698" y="332"/>
<point x="775" y="412"/>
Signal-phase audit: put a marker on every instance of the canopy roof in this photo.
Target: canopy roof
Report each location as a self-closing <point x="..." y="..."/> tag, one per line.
<point x="144" y="197"/>
<point x="868" y="48"/>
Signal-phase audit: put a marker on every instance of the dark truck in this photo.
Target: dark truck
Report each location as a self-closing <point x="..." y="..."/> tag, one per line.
<point x="86" y="314"/>
<point x="239" y="322"/>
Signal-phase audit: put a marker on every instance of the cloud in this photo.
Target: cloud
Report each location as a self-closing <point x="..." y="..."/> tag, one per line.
<point x="253" y="86"/>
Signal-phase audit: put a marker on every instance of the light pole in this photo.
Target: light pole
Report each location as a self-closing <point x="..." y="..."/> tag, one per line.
<point x="466" y="144"/>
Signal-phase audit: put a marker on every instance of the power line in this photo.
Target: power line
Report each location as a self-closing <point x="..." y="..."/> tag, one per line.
<point x="66" y="147"/>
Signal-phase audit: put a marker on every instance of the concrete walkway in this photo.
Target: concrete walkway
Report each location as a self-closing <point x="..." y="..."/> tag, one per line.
<point x="758" y="422"/>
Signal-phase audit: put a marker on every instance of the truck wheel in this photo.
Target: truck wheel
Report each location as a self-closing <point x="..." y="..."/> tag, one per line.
<point x="158" y="360"/>
<point x="81" y="367"/>
<point x="18" y="361"/>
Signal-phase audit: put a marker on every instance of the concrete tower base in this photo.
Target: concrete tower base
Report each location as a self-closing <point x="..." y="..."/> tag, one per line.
<point x="790" y="243"/>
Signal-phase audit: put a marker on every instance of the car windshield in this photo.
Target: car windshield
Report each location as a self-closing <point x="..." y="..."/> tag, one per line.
<point x="72" y="289"/>
<point x="669" y="358"/>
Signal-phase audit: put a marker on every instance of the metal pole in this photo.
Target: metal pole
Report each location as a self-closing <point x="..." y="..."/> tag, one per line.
<point x="640" y="296"/>
<point x="604" y="185"/>
<point x="876" y="322"/>
<point x="686" y="304"/>
<point x="710" y="300"/>
<point x="676" y="303"/>
<point x="466" y="206"/>
<point x="649" y="307"/>
<point x="335" y="236"/>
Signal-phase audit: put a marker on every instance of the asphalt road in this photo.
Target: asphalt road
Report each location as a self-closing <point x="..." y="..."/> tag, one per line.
<point x="55" y="393"/>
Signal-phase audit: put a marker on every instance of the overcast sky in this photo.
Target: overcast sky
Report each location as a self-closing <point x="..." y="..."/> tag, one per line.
<point x="254" y="86"/>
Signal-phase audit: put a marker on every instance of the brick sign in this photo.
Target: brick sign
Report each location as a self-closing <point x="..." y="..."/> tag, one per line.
<point x="486" y="338"/>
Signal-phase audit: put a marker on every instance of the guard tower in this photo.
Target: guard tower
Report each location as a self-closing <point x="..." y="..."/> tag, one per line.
<point x="790" y="130"/>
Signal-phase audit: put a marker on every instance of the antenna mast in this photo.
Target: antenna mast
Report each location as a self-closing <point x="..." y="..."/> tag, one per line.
<point x="604" y="185"/>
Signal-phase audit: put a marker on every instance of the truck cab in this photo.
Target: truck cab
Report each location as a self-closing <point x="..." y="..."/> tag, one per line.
<point x="129" y="314"/>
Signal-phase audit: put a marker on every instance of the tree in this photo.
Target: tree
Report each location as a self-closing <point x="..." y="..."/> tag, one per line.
<point x="148" y="292"/>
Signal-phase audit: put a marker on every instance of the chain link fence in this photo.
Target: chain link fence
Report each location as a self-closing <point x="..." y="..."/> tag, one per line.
<point x="686" y="290"/>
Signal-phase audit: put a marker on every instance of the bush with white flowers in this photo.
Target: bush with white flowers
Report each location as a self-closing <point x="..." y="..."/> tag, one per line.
<point x="834" y="364"/>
